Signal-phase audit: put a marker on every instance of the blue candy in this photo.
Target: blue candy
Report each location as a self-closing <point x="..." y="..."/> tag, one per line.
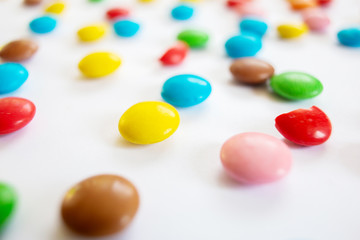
<point x="43" y="24"/>
<point x="243" y="46"/>
<point x="253" y="26"/>
<point x="126" y="28"/>
<point x="349" y="37"/>
<point x="182" y="12"/>
<point x="12" y="76"/>
<point x="185" y="90"/>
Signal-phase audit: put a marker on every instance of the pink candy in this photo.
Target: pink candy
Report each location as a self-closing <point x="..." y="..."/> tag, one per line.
<point x="250" y="10"/>
<point x="316" y="19"/>
<point x="254" y="158"/>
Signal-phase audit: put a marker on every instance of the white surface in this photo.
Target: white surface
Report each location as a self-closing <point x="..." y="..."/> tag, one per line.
<point x="184" y="192"/>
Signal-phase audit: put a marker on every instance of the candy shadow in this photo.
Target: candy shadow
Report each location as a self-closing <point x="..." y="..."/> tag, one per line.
<point x="224" y="180"/>
<point x="293" y="145"/>
<point x="121" y="142"/>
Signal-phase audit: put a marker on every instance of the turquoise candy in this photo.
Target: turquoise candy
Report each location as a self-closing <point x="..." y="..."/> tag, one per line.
<point x="296" y="85"/>
<point x="7" y="203"/>
<point x="243" y="46"/>
<point x="253" y="26"/>
<point x="43" y="24"/>
<point x="349" y="37"/>
<point x="12" y="76"/>
<point x="182" y="12"/>
<point x="185" y="90"/>
<point x="126" y="28"/>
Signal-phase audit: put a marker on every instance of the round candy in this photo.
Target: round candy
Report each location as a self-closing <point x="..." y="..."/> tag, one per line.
<point x="100" y="205"/>
<point x="56" y="8"/>
<point x="91" y="33"/>
<point x="251" y="71"/>
<point x="194" y="38"/>
<point x="19" y="50"/>
<point x="8" y="201"/>
<point x="302" y="4"/>
<point x="349" y="37"/>
<point x="243" y="46"/>
<point x="149" y="122"/>
<point x="12" y="76"/>
<point x="255" y="158"/>
<point x="253" y="26"/>
<point x="32" y="2"/>
<point x="43" y="24"/>
<point x="296" y="85"/>
<point x="116" y="13"/>
<point x="324" y="2"/>
<point x="316" y="19"/>
<point x="15" y="113"/>
<point x="306" y="127"/>
<point x="250" y="10"/>
<point x="182" y="12"/>
<point x="175" y="55"/>
<point x="126" y="28"/>
<point x="99" y="64"/>
<point x="236" y="3"/>
<point x="292" y="30"/>
<point x="185" y="90"/>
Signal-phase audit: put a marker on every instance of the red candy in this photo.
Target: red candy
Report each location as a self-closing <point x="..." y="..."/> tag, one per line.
<point x="175" y="55"/>
<point x="235" y="3"/>
<point x="116" y="13"/>
<point x="15" y="113"/>
<point x="324" y="2"/>
<point x="306" y="127"/>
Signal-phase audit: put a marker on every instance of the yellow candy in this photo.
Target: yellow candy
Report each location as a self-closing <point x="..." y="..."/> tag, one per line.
<point x="56" y="8"/>
<point x="91" y="33"/>
<point x="99" y="64"/>
<point x="149" y="122"/>
<point x="146" y="1"/>
<point x="292" y="30"/>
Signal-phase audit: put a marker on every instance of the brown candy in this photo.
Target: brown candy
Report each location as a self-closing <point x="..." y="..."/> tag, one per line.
<point x="251" y="70"/>
<point x="19" y="50"/>
<point x="100" y="205"/>
<point x="32" y="2"/>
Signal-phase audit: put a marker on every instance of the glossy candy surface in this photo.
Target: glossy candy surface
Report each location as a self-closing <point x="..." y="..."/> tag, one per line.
<point x="56" y="8"/>
<point x="43" y="24"/>
<point x="316" y="19"/>
<point x="251" y="71"/>
<point x="185" y="90"/>
<point x="8" y="200"/>
<point x="292" y="30"/>
<point x="15" y="113"/>
<point x="149" y="122"/>
<point x="255" y="158"/>
<point x="19" y="50"/>
<point x="126" y="28"/>
<point x="194" y="38"/>
<point x="306" y="127"/>
<point x="100" y="205"/>
<point x="182" y="12"/>
<point x="296" y="85"/>
<point x="99" y="64"/>
<point x="116" y="13"/>
<point x="12" y="76"/>
<point x="243" y="46"/>
<point x="253" y="26"/>
<point x="175" y="55"/>
<point x="91" y="33"/>
<point x="349" y="37"/>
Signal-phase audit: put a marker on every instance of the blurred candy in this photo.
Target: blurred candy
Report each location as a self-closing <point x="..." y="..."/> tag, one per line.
<point x="324" y="2"/>
<point x="32" y="2"/>
<point x="116" y="13"/>
<point x="292" y="30"/>
<point x="126" y="28"/>
<point x="316" y="19"/>
<point x="56" y="8"/>
<point x="302" y="4"/>
<point x="43" y="24"/>
<point x="194" y="38"/>
<point x="182" y="12"/>
<point x="12" y="76"/>
<point x="99" y="64"/>
<point x="8" y="200"/>
<point x="18" y="50"/>
<point x="349" y="37"/>
<point x="250" y="10"/>
<point x="236" y="3"/>
<point x="91" y="33"/>
<point x="243" y="46"/>
<point x="175" y="55"/>
<point x="253" y="26"/>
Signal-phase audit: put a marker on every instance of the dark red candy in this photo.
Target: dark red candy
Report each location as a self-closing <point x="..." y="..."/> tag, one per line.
<point x="306" y="127"/>
<point x="324" y="2"/>
<point x="175" y="55"/>
<point x="15" y="113"/>
<point x="116" y="13"/>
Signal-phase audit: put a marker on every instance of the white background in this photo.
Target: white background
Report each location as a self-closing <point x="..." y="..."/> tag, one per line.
<point x="184" y="191"/>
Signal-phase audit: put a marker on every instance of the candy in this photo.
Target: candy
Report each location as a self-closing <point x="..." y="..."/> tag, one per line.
<point x="43" y="24"/>
<point x="182" y="12"/>
<point x="324" y="2"/>
<point x="316" y="19"/>
<point x="8" y="200"/>
<point x="12" y="76"/>
<point x="255" y="158"/>
<point x="99" y="64"/>
<point x="149" y="122"/>
<point x="302" y="4"/>
<point x="296" y="85"/>
<point x="253" y="26"/>
<point x="243" y="46"/>
<point x="126" y="28"/>
<point x="194" y="38"/>
<point x="349" y="37"/>
<point x="175" y="55"/>
<point x="15" y="113"/>
<point x="306" y="127"/>
<point x="146" y="1"/>
<point x="185" y="90"/>
<point x="236" y="3"/>
<point x="56" y="8"/>
<point x="19" y="50"/>
<point x="91" y="33"/>
<point x="32" y="2"/>
<point x="116" y="13"/>
<point x="250" y="10"/>
<point x="100" y="205"/>
<point x="251" y="71"/>
<point x="291" y="30"/>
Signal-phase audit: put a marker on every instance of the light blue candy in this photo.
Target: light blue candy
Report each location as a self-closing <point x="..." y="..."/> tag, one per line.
<point x="185" y="90"/>
<point x="253" y="26"/>
<point x="243" y="46"/>
<point x="43" y="24"/>
<point x="126" y="28"/>
<point x="182" y="12"/>
<point x="349" y="37"/>
<point x="12" y="76"/>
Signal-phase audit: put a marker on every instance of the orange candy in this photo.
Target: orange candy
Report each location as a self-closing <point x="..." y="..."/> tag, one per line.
<point x="302" y="4"/>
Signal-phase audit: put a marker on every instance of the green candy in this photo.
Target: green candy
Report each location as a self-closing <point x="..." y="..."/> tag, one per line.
<point x="7" y="203"/>
<point x="296" y="85"/>
<point x="194" y="38"/>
